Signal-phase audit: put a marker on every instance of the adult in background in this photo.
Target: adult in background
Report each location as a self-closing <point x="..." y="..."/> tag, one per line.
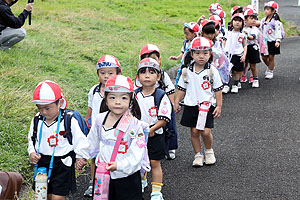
<point x="10" y="25"/>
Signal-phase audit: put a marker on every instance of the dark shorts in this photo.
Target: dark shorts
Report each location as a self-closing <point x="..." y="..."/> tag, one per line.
<point x="62" y="179"/>
<point x="190" y="116"/>
<point x="253" y="56"/>
<point x="156" y="147"/>
<point x="272" y="49"/>
<point x="238" y="66"/>
<point x="126" y="188"/>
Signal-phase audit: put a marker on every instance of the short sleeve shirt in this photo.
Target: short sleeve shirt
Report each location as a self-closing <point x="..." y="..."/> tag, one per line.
<point x="234" y="43"/>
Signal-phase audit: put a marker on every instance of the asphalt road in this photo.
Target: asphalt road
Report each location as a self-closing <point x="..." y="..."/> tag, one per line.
<point x="256" y="140"/>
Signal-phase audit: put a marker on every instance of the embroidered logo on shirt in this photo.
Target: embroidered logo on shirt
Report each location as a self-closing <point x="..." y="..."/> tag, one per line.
<point x="52" y="140"/>
<point x="205" y="85"/>
<point x="153" y="111"/>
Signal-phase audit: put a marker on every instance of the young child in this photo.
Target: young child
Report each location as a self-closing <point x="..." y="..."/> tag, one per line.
<point x="157" y="116"/>
<point x="190" y="31"/>
<point x="236" y="49"/>
<point x="233" y="11"/>
<point x="252" y="57"/>
<point x="271" y="28"/>
<point x="119" y="100"/>
<point x="204" y="88"/>
<point x="49" y="139"/>
<point x="107" y="66"/>
<point x="165" y="83"/>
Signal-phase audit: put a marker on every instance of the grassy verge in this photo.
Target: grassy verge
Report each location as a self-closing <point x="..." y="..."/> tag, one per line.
<point x="63" y="44"/>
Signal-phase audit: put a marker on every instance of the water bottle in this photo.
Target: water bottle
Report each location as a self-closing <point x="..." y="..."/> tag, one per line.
<point x="41" y="184"/>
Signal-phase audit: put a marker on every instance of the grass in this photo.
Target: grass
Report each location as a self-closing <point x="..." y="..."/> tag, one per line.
<point x="63" y="44"/>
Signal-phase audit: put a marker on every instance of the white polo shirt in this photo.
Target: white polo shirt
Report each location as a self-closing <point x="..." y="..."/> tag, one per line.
<point x="199" y="88"/>
<point x="234" y="43"/>
<point x="252" y="31"/>
<point x="271" y="30"/>
<point x="94" y="100"/>
<point x="150" y="113"/>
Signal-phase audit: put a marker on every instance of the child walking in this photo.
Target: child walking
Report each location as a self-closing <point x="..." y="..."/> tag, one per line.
<point x="236" y="49"/>
<point x="271" y="28"/>
<point x="203" y="89"/>
<point x="46" y="138"/>
<point x="107" y="66"/>
<point x="119" y="102"/>
<point x="252" y="56"/>
<point x="157" y="116"/>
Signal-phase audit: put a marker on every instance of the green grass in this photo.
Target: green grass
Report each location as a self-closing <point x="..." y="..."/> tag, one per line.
<point x="63" y="44"/>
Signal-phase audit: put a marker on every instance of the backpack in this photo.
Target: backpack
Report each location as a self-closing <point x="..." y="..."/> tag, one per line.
<point x="272" y="24"/>
<point x="10" y="185"/>
<point x="68" y="114"/>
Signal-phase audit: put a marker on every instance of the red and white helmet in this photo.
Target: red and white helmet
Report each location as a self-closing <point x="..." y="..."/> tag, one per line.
<point x="215" y="6"/>
<point x="207" y="21"/>
<point x="108" y="61"/>
<point x="119" y="83"/>
<point x="193" y="26"/>
<point x="215" y="18"/>
<point x="149" y="48"/>
<point x="201" y="43"/>
<point x="149" y="62"/>
<point x="251" y="12"/>
<point x="221" y="13"/>
<point x="234" y="9"/>
<point x="272" y="4"/>
<point x="240" y="15"/>
<point x="249" y="7"/>
<point x="47" y="92"/>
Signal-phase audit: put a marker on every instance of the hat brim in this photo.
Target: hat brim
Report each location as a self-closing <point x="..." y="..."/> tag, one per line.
<point x="117" y="88"/>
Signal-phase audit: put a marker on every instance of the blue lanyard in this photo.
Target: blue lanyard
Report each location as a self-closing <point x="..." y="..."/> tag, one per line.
<point x="52" y="157"/>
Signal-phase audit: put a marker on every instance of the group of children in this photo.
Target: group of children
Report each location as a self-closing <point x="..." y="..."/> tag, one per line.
<point x="132" y="124"/>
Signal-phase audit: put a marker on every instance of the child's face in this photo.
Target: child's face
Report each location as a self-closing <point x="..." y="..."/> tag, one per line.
<point x="105" y="73"/>
<point x="154" y="56"/>
<point x="201" y="56"/>
<point x="50" y="111"/>
<point x="189" y="35"/>
<point x="210" y="36"/>
<point x="148" y="76"/>
<point x="269" y="11"/>
<point x="237" y="23"/>
<point x="118" y="102"/>
<point x="250" y="21"/>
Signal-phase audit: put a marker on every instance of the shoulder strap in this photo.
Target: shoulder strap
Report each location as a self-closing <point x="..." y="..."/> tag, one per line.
<point x="35" y="126"/>
<point x="97" y="89"/>
<point x="137" y="90"/>
<point x="184" y="44"/>
<point x="67" y="123"/>
<point x="158" y="95"/>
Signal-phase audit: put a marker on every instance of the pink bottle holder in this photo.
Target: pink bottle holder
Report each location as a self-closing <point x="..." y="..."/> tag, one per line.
<point x="102" y="179"/>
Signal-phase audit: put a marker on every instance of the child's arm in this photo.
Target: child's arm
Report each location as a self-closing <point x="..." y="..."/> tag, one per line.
<point x="176" y="57"/>
<point x="217" y="111"/>
<point x="158" y="125"/>
<point x="89" y="112"/>
<point x="171" y="97"/>
<point x="200" y="19"/>
<point x="80" y="163"/>
<point x="31" y="150"/>
<point x="34" y="158"/>
<point x="243" y="58"/>
<point x="180" y="94"/>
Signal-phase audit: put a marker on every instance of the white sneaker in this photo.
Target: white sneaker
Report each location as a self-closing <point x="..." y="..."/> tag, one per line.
<point x="144" y="184"/>
<point x="234" y="89"/>
<point x="255" y="84"/>
<point x="172" y="154"/>
<point x="210" y="158"/>
<point x="156" y="196"/>
<point x="198" y="160"/>
<point x="184" y="74"/>
<point x="239" y="85"/>
<point x="226" y="89"/>
<point x="269" y="75"/>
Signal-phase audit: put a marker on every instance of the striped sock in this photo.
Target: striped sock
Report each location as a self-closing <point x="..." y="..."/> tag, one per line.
<point x="156" y="187"/>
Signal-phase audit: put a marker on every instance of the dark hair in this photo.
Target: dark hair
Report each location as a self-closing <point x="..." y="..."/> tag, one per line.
<point x="188" y="59"/>
<point x="236" y="19"/>
<point x="209" y="29"/>
<point x="57" y="101"/>
<point x="251" y="16"/>
<point x="275" y="15"/>
<point x="239" y="10"/>
<point x="134" y="105"/>
<point x="160" y="82"/>
<point x="147" y="55"/>
<point x="191" y="30"/>
<point x="117" y="69"/>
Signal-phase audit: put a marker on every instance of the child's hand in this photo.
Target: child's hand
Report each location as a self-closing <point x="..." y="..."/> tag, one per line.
<point x="246" y="32"/>
<point x="217" y="112"/>
<point x="151" y="133"/>
<point x="34" y="158"/>
<point x="111" y="166"/>
<point x="277" y="44"/>
<point x="202" y="17"/>
<point x="243" y="58"/>
<point x="177" y="107"/>
<point x="80" y="163"/>
<point x="173" y="58"/>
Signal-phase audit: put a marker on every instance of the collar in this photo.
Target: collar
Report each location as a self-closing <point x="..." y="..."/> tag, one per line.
<point x="191" y="67"/>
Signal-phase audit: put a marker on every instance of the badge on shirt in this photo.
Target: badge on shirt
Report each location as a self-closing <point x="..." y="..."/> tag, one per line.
<point x="270" y="31"/>
<point x="52" y="140"/>
<point x="240" y="40"/>
<point x="141" y="142"/>
<point x="132" y="134"/>
<point x="153" y="111"/>
<point x="205" y="85"/>
<point x="123" y="147"/>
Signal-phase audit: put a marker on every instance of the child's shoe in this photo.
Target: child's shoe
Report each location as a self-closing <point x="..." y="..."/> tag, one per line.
<point x="226" y="89"/>
<point x="144" y="184"/>
<point x="255" y="84"/>
<point x="269" y="75"/>
<point x="198" y="160"/>
<point x="244" y="79"/>
<point x="210" y="158"/>
<point x="251" y="79"/>
<point x="89" y="191"/>
<point x="185" y="74"/>
<point x="239" y="85"/>
<point x="234" y="89"/>
<point x="172" y="155"/>
<point x="156" y="196"/>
